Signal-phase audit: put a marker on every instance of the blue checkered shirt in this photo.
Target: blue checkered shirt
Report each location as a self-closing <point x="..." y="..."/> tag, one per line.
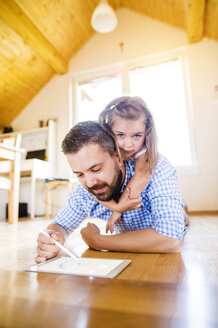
<point x="162" y="205"/>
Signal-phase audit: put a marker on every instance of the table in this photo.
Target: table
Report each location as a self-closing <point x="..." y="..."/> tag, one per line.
<point x="51" y="300"/>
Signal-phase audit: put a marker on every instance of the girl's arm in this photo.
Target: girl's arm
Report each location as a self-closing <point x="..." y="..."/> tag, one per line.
<point x="127" y="203"/>
<point x="130" y="199"/>
<point x="141" y="177"/>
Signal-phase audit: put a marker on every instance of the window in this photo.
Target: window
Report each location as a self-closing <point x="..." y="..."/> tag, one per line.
<point x="93" y="96"/>
<point x="161" y="83"/>
<point x="162" y="88"/>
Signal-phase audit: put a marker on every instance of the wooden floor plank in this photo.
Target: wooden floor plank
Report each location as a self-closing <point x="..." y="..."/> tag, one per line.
<point x="168" y="268"/>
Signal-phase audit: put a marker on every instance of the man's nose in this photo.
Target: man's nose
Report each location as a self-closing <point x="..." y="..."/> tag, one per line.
<point x="90" y="181"/>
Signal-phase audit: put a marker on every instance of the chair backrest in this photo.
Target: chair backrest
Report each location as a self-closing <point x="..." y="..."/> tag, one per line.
<point x="10" y="154"/>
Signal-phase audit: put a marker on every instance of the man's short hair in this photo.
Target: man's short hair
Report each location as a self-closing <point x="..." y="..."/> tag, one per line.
<point x="87" y="132"/>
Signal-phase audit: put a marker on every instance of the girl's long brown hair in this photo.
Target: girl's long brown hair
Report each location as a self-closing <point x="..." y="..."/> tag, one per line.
<point x="132" y="108"/>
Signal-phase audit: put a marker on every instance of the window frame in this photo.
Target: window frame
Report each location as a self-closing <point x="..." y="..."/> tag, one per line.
<point x="123" y="69"/>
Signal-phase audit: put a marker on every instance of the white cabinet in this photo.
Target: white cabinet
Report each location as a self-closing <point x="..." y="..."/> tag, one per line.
<point x="39" y="160"/>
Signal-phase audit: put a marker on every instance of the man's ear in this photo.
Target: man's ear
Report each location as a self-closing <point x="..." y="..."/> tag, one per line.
<point x="118" y="158"/>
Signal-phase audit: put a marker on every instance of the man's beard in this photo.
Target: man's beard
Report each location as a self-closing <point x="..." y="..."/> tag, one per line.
<point x="112" y="190"/>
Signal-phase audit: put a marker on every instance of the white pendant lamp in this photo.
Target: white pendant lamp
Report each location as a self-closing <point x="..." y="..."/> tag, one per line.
<point x="104" y="19"/>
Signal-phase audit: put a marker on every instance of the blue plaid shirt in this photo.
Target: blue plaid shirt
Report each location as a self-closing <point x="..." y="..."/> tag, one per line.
<point x="162" y="205"/>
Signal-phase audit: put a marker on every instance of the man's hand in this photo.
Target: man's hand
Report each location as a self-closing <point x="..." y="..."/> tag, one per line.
<point x="46" y="248"/>
<point x="90" y="235"/>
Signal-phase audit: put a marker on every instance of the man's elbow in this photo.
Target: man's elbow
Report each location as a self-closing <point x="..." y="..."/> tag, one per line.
<point x="174" y="245"/>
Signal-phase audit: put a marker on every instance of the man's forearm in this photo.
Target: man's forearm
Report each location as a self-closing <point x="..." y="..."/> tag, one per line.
<point x="143" y="241"/>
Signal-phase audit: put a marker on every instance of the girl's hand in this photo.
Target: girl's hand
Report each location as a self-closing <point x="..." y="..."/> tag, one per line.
<point x="127" y="203"/>
<point x="115" y="217"/>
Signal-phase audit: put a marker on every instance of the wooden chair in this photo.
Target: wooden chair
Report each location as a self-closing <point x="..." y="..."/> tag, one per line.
<point x="10" y="156"/>
<point x="51" y="185"/>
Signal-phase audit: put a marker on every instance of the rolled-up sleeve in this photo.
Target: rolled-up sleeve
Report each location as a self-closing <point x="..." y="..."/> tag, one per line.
<point x="71" y="216"/>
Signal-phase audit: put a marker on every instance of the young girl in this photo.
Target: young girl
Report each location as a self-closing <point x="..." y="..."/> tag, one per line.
<point x="131" y="124"/>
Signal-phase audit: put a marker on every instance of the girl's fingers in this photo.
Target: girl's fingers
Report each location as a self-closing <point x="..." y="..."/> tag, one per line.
<point x="110" y="227"/>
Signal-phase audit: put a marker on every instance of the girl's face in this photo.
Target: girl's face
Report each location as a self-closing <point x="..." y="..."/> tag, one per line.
<point x="129" y="134"/>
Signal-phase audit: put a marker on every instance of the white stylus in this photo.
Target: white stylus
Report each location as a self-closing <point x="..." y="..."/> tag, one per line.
<point x="73" y="255"/>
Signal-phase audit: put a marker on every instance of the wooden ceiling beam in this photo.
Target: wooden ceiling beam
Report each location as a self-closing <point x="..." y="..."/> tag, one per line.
<point x="17" y="19"/>
<point x="195" y="10"/>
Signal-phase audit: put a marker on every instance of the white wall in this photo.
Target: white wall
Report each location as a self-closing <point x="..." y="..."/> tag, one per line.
<point x="52" y="102"/>
<point x="143" y="36"/>
<point x="201" y="190"/>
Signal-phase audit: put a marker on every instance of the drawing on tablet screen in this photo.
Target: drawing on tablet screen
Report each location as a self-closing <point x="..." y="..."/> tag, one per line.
<point x="82" y="266"/>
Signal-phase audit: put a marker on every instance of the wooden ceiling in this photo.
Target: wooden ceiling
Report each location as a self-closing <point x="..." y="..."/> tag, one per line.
<point x="39" y="37"/>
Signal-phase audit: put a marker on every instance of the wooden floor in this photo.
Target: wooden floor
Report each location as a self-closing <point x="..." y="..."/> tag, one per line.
<point x="155" y="290"/>
<point x="197" y="263"/>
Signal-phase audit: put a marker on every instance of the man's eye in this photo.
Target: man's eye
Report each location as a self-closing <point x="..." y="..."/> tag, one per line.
<point x="96" y="170"/>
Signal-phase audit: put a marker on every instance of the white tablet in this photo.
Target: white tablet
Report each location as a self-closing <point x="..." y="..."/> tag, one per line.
<point x="93" y="267"/>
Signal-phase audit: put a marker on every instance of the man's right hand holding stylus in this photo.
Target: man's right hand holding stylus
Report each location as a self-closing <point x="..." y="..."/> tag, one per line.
<point x="46" y="248"/>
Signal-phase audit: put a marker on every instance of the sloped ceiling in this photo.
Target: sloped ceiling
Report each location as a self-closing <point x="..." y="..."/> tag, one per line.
<point x="39" y="37"/>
